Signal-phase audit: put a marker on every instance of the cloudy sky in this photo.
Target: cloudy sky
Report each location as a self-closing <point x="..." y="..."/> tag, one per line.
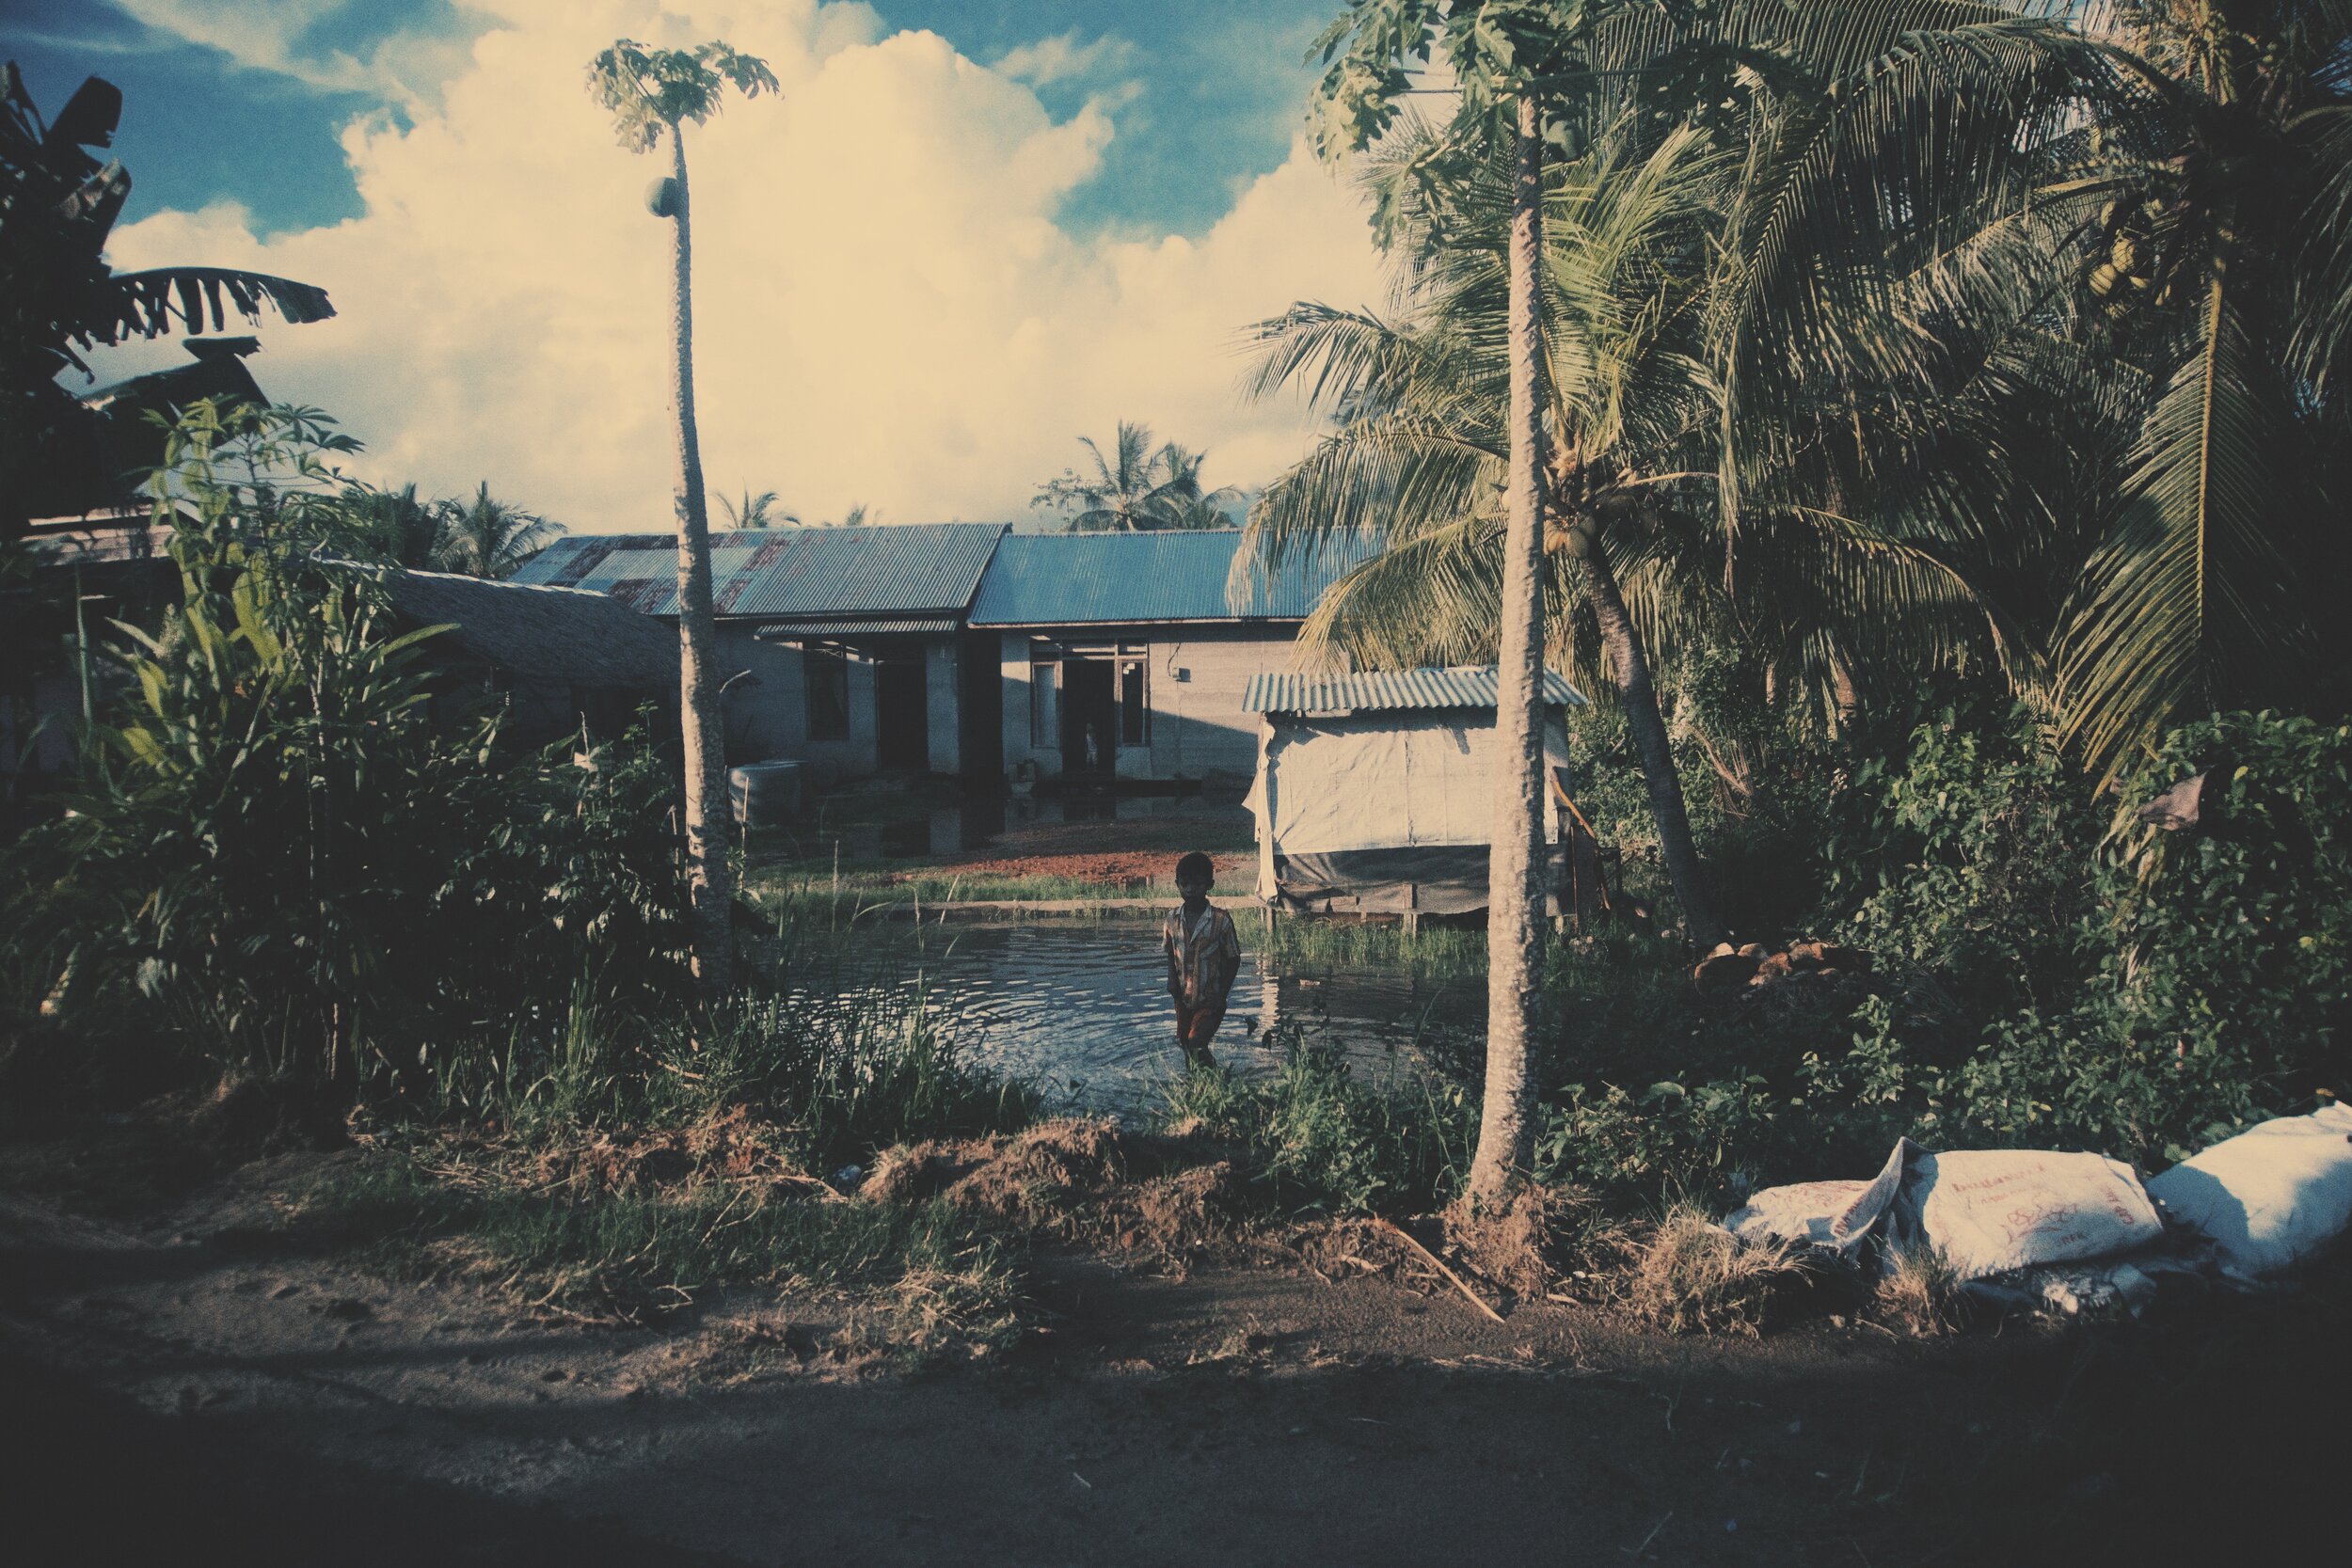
<point x="969" y="231"/>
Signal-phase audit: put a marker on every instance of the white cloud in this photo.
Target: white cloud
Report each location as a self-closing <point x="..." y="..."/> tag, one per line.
<point x="1059" y="59"/>
<point x="886" y="309"/>
<point x="407" y="68"/>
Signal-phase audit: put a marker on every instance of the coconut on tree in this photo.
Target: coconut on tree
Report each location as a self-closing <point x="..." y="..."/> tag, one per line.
<point x="653" y="94"/>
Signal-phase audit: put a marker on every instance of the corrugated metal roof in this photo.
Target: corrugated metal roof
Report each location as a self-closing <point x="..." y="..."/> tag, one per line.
<point x="532" y="630"/>
<point x="883" y="627"/>
<point x="904" y="569"/>
<point x="1383" y="691"/>
<point x="1068" y="579"/>
<point x="571" y="557"/>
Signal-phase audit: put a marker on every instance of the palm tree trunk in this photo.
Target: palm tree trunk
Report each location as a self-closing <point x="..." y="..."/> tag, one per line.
<point x="709" y="881"/>
<point x="1515" y="890"/>
<point x="1637" y="695"/>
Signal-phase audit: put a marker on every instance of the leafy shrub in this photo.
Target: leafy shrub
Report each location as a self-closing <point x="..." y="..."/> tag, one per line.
<point x="2138" y="992"/>
<point x="1320" y="1141"/>
<point x="282" y="856"/>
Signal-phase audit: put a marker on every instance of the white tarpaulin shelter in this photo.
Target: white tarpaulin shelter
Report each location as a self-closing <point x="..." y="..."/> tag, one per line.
<point x="1374" y="790"/>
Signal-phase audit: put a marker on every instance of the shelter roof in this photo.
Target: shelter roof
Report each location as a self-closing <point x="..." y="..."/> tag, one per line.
<point x="1389" y="691"/>
<point x="893" y="569"/>
<point x="880" y="625"/>
<point x="1066" y="580"/>
<point x="535" y="631"/>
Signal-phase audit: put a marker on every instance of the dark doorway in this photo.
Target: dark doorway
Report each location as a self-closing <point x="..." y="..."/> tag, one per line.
<point x="902" y="727"/>
<point x="1090" y="716"/>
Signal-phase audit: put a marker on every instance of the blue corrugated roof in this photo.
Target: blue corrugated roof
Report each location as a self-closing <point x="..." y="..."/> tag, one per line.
<point x="1065" y="580"/>
<point x="1383" y="691"/>
<point x="891" y="569"/>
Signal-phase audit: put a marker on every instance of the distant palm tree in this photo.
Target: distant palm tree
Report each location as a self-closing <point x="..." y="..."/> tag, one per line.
<point x="487" y="537"/>
<point x="395" y="526"/>
<point x="1137" y="488"/>
<point x="756" y="511"/>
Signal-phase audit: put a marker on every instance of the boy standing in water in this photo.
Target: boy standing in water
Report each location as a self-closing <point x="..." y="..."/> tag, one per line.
<point x="1204" y="956"/>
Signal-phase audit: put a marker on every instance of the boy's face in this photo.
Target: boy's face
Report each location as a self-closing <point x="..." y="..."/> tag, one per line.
<point x="1194" y="886"/>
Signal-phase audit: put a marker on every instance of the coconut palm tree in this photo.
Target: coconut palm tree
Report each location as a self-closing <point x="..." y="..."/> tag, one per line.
<point x="395" y="526"/>
<point x="57" y="295"/>
<point x="2140" y="212"/>
<point x="756" y="511"/>
<point x="652" y="94"/>
<point x="2218" y="255"/>
<point x="1500" y="54"/>
<point x="486" y="538"/>
<point x="1137" y="488"/>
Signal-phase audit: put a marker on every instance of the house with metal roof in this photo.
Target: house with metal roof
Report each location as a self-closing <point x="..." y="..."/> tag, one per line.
<point x="845" y="649"/>
<point x="562" y="660"/>
<point x="1126" y="655"/>
<point x="1375" y="791"/>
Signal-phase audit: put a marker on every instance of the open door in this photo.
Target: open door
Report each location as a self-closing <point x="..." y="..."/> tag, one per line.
<point x="902" y="720"/>
<point x="1090" y="716"/>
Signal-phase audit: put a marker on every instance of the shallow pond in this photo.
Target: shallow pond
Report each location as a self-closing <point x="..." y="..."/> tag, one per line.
<point x="1084" y="1009"/>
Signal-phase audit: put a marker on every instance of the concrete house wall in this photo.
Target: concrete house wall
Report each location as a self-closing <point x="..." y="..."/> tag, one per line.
<point x="1193" y="690"/>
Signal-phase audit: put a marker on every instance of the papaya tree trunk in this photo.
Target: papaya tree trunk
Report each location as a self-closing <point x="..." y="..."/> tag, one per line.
<point x="1515" y="890"/>
<point x="1636" y="696"/>
<point x="709" y="877"/>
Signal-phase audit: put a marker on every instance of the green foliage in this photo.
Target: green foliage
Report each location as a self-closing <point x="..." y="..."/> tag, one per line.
<point x="648" y="91"/>
<point x="1321" y="1142"/>
<point x="1136" y="487"/>
<point x="1964" y="854"/>
<point x="2140" y="993"/>
<point x="285" y="857"/>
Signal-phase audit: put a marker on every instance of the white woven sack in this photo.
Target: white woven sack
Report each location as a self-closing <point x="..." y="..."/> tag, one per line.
<point x="1994" y="1209"/>
<point x="1808" y="1211"/>
<point x="2270" y="1197"/>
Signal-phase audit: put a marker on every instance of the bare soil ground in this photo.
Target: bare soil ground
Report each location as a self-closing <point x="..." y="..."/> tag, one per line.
<point x="197" y="1376"/>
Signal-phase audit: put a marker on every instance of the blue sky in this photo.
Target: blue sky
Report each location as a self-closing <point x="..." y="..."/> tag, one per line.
<point x="967" y="233"/>
<point x="1209" y="91"/>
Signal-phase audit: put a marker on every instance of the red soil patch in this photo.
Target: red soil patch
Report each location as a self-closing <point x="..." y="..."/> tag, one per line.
<point x="1135" y="868"/>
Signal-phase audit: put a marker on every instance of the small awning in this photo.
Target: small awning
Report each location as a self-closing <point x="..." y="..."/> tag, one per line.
<point x="1388" y="690"/>
<point x="788" y="632"/>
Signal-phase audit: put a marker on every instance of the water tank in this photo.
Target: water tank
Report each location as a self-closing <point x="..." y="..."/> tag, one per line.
<point x="765" y="794"/>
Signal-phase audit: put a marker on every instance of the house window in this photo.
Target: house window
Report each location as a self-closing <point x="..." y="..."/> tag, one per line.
<point x="1134" y="707"/>
<point x="826" y="671"/>
<point x="1044" y="696"/>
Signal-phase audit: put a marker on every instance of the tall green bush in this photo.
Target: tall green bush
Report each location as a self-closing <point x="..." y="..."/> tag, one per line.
<point x="283" y="857"/>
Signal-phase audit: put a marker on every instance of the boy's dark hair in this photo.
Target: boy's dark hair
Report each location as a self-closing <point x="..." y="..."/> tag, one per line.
<point x="1196" y="864"/>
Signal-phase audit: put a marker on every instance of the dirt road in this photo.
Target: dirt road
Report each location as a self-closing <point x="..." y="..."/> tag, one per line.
<point x="202" y="1381"/>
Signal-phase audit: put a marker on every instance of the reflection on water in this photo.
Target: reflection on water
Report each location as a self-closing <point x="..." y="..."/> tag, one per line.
<point x="954" y="827"/>
<point x="1086" y="1009"/>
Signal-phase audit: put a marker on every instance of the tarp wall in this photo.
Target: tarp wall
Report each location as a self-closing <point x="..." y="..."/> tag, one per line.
<point x="1371" y="806"/>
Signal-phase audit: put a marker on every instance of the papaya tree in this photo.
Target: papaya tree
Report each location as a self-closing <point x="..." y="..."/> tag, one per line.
<point x="653" y="94"/>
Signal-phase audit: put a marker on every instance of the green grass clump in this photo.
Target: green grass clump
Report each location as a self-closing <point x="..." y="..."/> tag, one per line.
<point x="1321" y="1142"/>
<point x="1435" y="952"/>
<point x="933" y="1272"/>
<point x="826" y="1050"/>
